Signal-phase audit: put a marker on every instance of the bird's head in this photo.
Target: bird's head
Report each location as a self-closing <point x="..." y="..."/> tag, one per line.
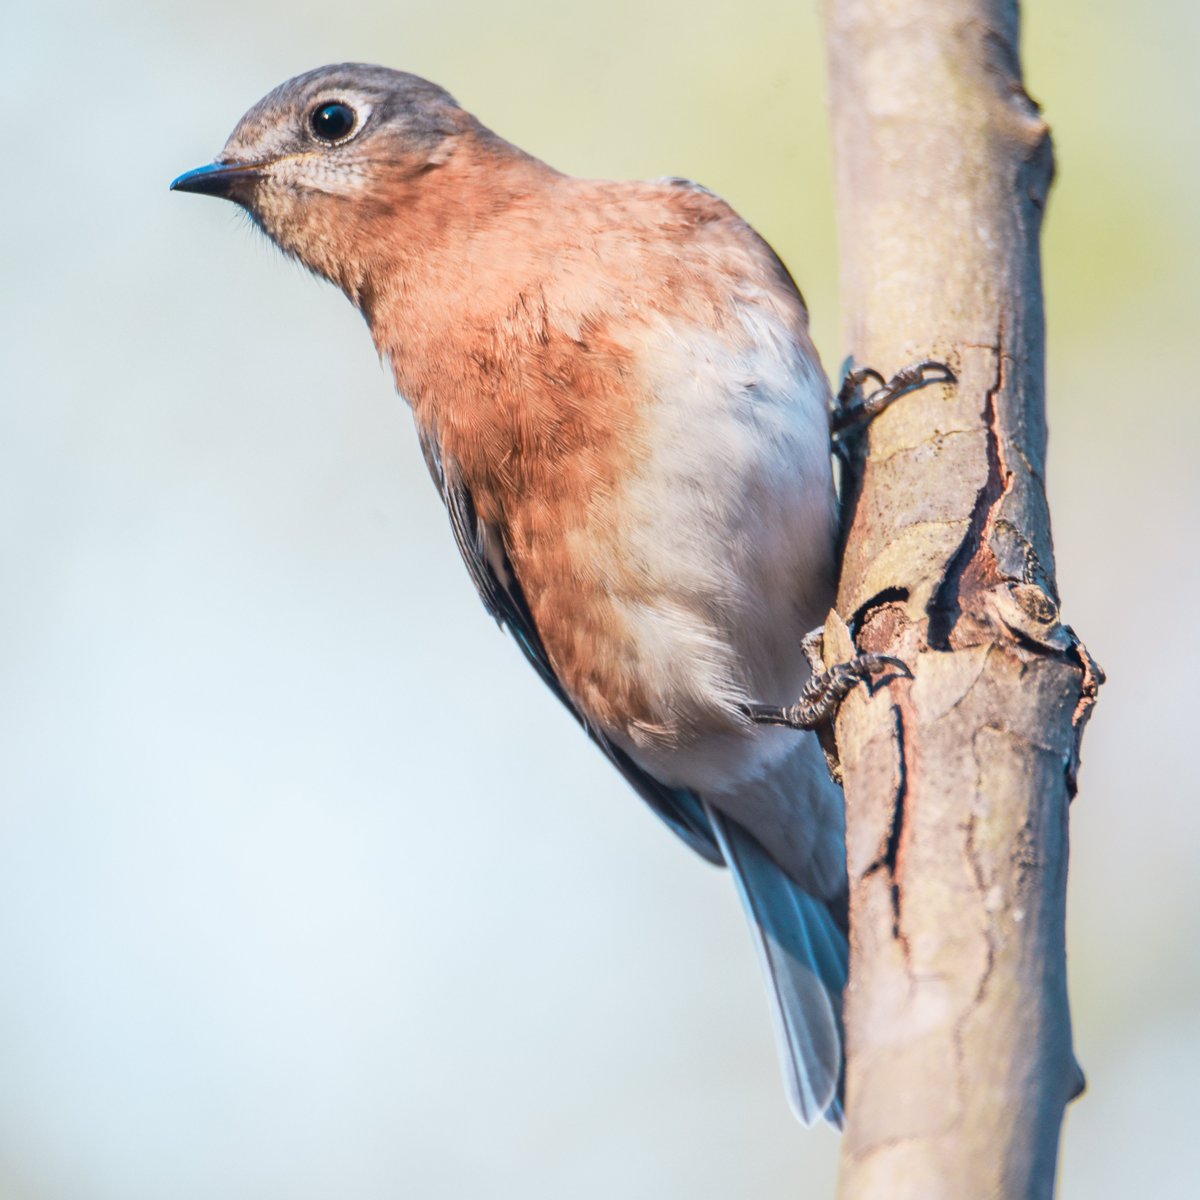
<point x="325" y="159"/>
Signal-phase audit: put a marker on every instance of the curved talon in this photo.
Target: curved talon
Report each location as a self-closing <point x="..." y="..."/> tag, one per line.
<point x="853" y="381"/>
<point x="824" y="693"/>
<point x="848" y="413"/>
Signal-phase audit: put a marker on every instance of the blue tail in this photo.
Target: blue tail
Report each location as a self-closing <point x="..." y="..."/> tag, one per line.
<point x="805" y="959"/>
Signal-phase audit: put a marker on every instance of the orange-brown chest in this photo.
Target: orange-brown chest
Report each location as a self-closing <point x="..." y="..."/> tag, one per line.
<point x="545" y="429"/>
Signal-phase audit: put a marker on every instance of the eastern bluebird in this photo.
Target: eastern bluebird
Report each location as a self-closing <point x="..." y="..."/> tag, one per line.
<point x="619" y="401"/>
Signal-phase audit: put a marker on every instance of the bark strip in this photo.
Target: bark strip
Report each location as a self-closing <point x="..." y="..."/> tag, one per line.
<point x="957" y="781"/>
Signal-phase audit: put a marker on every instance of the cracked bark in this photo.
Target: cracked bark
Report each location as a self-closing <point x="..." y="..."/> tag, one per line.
<point x="957" y="781"/>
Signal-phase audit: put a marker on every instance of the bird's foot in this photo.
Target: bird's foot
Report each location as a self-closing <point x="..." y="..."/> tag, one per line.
<point x="850" y="410"/>
<point x="824" y="693"/>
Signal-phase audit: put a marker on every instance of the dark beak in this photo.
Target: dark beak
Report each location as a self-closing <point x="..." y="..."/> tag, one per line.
<point x="231" y="181"/>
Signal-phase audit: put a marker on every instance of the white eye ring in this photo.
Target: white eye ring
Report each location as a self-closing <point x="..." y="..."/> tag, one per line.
<point x="332" y="122"/>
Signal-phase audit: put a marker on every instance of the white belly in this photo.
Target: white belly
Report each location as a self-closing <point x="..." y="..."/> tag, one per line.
<point x="730" y="528"/>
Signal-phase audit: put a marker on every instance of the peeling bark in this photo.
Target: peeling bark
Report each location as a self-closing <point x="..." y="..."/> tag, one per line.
<point x="957" y="780"/>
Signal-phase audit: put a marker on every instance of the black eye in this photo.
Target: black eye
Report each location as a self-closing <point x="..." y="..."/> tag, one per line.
<point x="332" y="122"/>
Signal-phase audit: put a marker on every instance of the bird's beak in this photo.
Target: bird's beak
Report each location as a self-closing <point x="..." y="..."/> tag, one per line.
<point x="231" y="181"/>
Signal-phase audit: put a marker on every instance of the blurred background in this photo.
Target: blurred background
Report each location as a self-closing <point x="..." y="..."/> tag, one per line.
<point x="309" y="889"/>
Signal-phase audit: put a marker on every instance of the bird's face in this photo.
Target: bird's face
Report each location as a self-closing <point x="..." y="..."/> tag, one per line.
<point x="321" y="160"/>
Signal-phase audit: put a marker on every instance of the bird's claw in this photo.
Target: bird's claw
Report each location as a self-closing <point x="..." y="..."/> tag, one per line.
<point x="849" y="412"/>
<point x="824" y="693"/>
<point x="812" y="645"/>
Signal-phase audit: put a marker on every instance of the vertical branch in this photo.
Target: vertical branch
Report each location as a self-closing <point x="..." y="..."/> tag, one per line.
<point x="958" y="780"/>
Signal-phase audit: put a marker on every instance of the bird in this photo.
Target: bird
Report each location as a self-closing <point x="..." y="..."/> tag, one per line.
<point x="619" y="400"/>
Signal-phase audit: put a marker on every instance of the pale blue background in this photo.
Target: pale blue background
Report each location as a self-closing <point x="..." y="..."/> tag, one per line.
<point x="307" y="887"/>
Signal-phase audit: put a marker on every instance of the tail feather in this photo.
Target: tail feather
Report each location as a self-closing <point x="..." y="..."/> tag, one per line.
<point x="804" y="956"/>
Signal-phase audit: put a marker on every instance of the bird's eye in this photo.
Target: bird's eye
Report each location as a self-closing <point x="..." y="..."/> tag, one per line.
<point x="332" y="122"/>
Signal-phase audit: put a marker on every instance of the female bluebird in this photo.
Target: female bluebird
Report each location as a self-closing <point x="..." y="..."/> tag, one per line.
<point x="619" y="401"/>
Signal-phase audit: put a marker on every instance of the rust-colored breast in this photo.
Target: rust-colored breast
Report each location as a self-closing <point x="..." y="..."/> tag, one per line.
<point x="519" y="343"/>
<point x="543" y="444"/>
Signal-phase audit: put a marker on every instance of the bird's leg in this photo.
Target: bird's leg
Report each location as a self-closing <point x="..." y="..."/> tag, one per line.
<point x="824" y="693"/>
<point x="849" y="412"/>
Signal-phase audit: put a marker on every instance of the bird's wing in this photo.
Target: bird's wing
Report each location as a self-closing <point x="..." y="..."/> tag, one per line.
<point x="483" y="550"/>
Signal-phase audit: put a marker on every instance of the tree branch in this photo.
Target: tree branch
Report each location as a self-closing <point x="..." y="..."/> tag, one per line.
<point x="958" y="780"/>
